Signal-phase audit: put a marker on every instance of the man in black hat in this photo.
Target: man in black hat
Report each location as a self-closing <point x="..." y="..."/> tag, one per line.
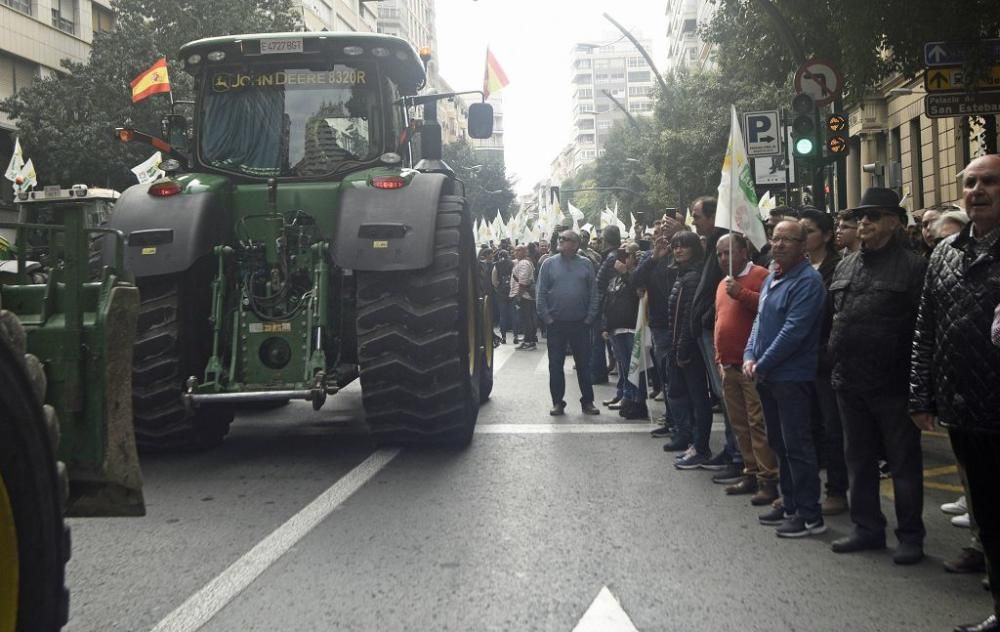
<point x="875" y="293"/>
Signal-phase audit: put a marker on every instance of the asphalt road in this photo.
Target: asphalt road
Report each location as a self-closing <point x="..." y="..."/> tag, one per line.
<point x="298" y="523"/>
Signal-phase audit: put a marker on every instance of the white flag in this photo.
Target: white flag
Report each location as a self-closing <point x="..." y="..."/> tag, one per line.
<point x="905" y="203"/>
<point x="26" y="177"/>
<point x="737" y="199"/>
<point x="576" y="214"/>
<point x="16" y="161"/>
<point x="631" y="218"/>
<point x="765" y="205"/>
<point x="149" y="169"/>
<point x="641" y="345"/>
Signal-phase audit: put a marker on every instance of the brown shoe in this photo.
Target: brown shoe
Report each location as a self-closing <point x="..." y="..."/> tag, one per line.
<point x="968" y="561"/>
<point x="767" y="494"/>
<point x="747" y="485"/>
<point x="834" y="505"/>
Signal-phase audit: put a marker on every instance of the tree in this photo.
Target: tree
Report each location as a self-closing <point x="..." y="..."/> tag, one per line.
<point x="868" y="40"/>
<point x="66" y="122"/>
<point x="487" y="187"/>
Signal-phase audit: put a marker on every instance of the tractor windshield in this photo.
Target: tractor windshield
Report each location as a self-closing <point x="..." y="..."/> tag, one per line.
<point x="289" y="122"/>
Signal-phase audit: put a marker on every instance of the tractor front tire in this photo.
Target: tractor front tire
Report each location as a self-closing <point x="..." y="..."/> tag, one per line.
<point x="34" y="540"/>
<point x="173" y="342"/>
<point x="419" y="341"/>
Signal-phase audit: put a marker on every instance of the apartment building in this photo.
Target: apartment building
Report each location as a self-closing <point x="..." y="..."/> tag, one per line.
<point x="339" y="15"/>
<point x="607" y="81"/>
<point x="684" y="47"/>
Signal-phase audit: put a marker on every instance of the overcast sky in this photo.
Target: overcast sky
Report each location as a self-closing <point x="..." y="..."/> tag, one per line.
<point x="532" y="40"/>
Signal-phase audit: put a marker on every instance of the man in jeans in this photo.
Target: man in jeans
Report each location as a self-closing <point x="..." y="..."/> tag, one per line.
<point x="782" y="354"/>
<point x="567" y="304"/>
<point x="522" y="281"/>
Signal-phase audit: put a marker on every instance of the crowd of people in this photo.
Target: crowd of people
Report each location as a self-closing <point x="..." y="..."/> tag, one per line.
<point x="831" y="348"/>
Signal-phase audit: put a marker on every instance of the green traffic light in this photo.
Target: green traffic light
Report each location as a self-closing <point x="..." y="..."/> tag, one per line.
<point x="804" y="146"/>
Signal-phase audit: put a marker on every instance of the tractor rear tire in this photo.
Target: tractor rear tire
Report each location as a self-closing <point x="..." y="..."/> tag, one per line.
<point x="34" y="540"/>
<point x="173" y="342"/>
<point x="419" y="341"/>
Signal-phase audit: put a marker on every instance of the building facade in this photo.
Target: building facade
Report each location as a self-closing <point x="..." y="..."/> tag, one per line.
<point x="607" y="81"/>
<point x="339" y="15"/>
<point x="685" y="49"/>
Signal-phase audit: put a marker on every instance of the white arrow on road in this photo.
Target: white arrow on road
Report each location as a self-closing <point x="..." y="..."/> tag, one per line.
<point x="605" y="615"/>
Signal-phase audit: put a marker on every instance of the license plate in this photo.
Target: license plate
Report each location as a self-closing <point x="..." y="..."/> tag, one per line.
<point x="284" y="45"/>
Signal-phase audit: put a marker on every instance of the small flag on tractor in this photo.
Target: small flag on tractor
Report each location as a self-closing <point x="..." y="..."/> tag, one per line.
<point x="16" y="161"/>
<point x="154" y="80"/>
<point x="495" y="79"/>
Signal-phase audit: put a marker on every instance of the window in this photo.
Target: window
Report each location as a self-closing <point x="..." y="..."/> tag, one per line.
<point x="640" y="91"/>
<point x="636" y="62"/>
<point x="638" y="77"/>
<point x="322" y="10"/>
<point x="583" y="64"/>
<point x="104" y="20"/>
<point x="585" y="93"/>
<point x="64" y="15"/>
<point x="24" y="6"/>
<point x="603" y="124"/>
<point x="916" y="164"/>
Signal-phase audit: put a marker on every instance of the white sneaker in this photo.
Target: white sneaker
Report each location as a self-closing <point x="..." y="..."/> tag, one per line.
<point x="956" y="508"/>
<point x="962" y="521"/>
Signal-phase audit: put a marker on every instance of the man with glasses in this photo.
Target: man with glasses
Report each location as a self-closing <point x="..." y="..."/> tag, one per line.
<point x="847" y="234"/>
<point x="875" y="294"/>
<point x="567" y="304"/>
<point x="782" y="355"/>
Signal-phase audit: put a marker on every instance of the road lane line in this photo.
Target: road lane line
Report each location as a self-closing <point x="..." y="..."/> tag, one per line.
<point x="213" y="597"/>
<point x="500" y="356"/>
<point x="561" y="428"/>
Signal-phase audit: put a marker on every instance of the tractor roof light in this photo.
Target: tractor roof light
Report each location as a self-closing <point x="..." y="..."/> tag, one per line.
<point x="216" y="55"/>
<point x="353" y="51"/>
<point x="194" y="60"/>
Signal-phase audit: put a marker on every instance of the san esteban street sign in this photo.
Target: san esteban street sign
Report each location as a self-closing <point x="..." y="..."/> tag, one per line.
<point x="950" y="105"/>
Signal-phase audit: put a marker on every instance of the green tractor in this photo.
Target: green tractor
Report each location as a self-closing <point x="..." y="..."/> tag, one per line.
<point x="301" y="240"/>
<point x="67" y="327"/>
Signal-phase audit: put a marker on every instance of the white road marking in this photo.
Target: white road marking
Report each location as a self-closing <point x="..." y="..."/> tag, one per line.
<point x="561" y="428"/>
<point x="213" y="597"/>
<point x="500" y="356"/>
<point x="605" y="614"/>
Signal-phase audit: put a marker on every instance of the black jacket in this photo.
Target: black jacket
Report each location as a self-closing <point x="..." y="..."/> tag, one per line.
<point x="657" y="276"/>
<point x="621" y="303"/>
<point x="955" y="371"/>
<point x="683" y="342"/>
<point x="703" y="309"/>
<point x="874" y="296"/>
<point x="826" y="270"/>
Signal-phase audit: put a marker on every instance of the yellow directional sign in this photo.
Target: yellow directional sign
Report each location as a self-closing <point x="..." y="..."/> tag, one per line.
<point x="953" y="79"/>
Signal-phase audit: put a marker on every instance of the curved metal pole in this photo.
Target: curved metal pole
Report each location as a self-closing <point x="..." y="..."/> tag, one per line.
<point x="631" y="119"/>
<point x="642" y="51"/>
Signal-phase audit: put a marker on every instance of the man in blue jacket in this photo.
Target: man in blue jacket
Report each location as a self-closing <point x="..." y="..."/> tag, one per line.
<point x="782" y="355"/>
<point x="567" y="304"/>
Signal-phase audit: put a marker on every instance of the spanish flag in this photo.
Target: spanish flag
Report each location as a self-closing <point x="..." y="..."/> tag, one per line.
<point x="152" y="81"/>
<point x="495" y="78"/>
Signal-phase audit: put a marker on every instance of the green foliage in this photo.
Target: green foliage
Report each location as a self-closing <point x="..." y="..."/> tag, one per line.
<point x="486" y="184"/>
<point x="66" y="122"/>
<point x="868" y="40"/>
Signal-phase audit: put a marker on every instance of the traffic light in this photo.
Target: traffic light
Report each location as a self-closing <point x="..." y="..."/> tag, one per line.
<point x="805" y="136"/>
<point x="837" y="143"/>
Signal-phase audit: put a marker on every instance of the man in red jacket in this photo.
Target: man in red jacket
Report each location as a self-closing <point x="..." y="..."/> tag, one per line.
<point x="735" y="308"/>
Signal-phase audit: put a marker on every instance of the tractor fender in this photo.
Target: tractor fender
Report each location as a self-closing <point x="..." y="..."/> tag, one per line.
<point x="386" y="230"/>
<point x="166" y="235"/>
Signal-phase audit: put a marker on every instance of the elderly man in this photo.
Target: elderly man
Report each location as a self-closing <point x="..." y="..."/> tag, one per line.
<point x="567" y="303"/>
<point x="736" y="301"/>
<point x="522" y="281"/>
<point x="955" y="369"/>
<point x="782" y="354"/>
<point x="875" y="293"/>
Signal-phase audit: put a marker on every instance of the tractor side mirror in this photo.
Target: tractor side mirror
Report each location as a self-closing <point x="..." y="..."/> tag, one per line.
<point x="175" y="131"/>
<point x="480" y="120"/>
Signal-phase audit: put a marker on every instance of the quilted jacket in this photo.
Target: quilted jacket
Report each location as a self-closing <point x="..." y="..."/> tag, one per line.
<point x="875" y="296"/>
<point x="683" y="344"/>
<point x="955" y="371"/>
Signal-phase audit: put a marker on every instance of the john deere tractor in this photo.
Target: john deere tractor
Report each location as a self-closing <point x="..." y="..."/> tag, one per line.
<point x="67" y="326"/>
<point x="306" y="234"/>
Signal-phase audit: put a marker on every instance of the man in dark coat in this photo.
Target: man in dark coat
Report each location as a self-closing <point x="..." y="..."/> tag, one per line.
<point x="875" y="293"/>
<point x="955" y="369"/>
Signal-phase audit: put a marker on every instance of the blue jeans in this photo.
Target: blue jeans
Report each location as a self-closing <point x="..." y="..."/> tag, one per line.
<point x="690" y="406"/>
<point x="526" y="310"/>
<point x="577" y="336"/>
<point x="622" y="345"/>
<point x="706" y="344"/>
<point x="787" y="407"/>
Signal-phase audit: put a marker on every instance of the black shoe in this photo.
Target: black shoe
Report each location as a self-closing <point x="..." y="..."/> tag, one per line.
<point x="908" y="553"/>
<point x="989" y="625"/>
<point x="717" y="463"/>
<point x="858" y="542"/>
<point x="773" y="518"/>
<point x="636" y="410"/>
<point x="660" y="433"/>
<point x="503" y="339"/>
<point x="731" y="474"/>
<point x="677" y="445"/>
<point x="588" y="408"/>
<point x="558" y="410"/>
<point x="613" y="400"/>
